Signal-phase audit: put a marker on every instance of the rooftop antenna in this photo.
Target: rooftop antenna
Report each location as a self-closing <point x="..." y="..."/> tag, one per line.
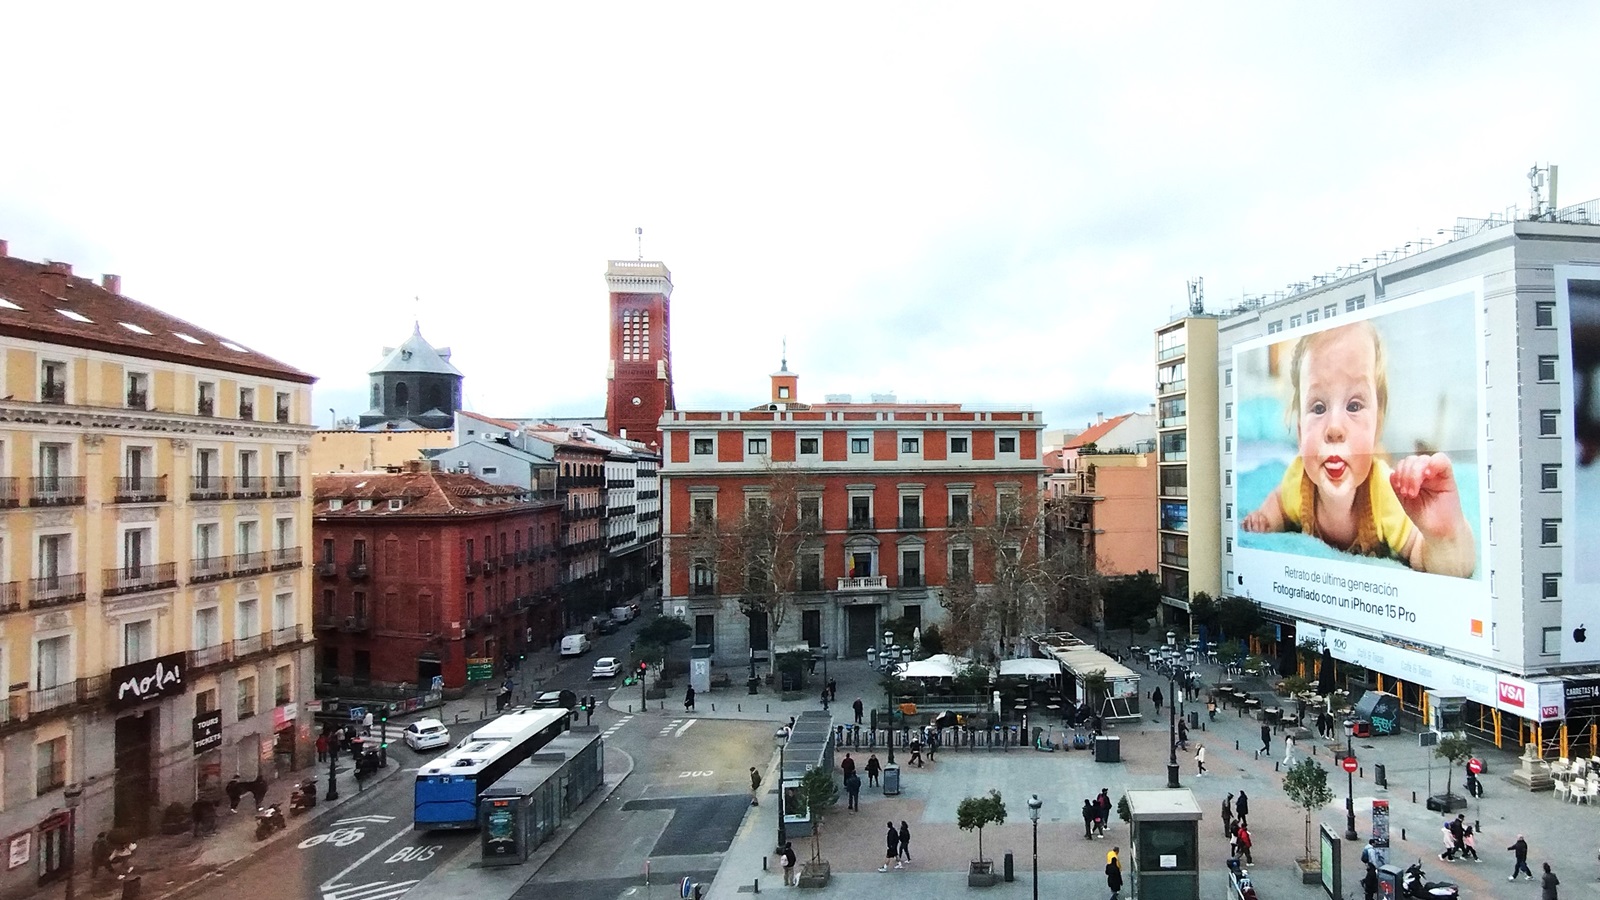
<point x="1197" y="296"/>
<point x="1538" y="179"/>
<point x="416" y="314"/>
<point x="785" y="358"/>
<point x="638" y="233"/>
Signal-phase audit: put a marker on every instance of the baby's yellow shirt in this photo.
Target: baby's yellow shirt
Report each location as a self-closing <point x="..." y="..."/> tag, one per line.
<point x="1393" y="525"/>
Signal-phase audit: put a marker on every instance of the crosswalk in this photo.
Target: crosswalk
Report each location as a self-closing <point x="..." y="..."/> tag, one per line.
<point x="676" y="727"/>
<point x="373" y="890"/>
<point x="613" y="729"/>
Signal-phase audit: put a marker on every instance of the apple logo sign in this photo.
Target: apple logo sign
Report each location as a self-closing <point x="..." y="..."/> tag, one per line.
<point x="1579" y="634"/>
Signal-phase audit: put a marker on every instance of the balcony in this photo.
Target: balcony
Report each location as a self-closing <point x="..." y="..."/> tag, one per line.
<point x="207" y="569"/>
<point x="284" y="486"/>
<point x="284" y="558"/>
<point x="247" y="411"/>
<point x="56" y="490"/>
<point x="327" y="569"/>
<point x="864" y="583"/>
<point x="910" y="523"/>
<point x="55" y="590"/>
<point x="286" y="636"/>
<point x="354" y="624"/>
<point x="9" y="497"/>
<point x="253" y="563"/>
<point x="486" y="567"/>
<point x="471" y="570"/>
<point x="1171" y="387"/>
<point x="249" y="645"/>
<point x="249" y="487"/>
<point x="137" y="579"/>
<point x="356" y="570"/>
<point x="207" y="487"/>
<point x="53" y="392"/>
<point x="140" y="489"/>
<point x="506" y="560"/>
<point x="860" y="523"/>
<point x="138" y="399"/>
<point x="10" y="597"/>
<point x="205" y="657"/>
<point x="911" y="580"/>
<point x="57" y="696"/>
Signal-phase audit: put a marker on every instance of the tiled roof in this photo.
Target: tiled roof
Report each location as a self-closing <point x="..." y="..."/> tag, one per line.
<point x="498" y="423"/>
<point x="1053" y="461"/>
<point x="44" y="301"/>
<point x="1095" y="432"/>
<point x="425" y="493"/>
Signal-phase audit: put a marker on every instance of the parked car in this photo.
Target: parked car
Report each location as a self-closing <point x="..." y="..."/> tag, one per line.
<point x="609" y="626"/>
<point x="575" y="645"/>
<point x="606" y="667"/>
<point x="622" y="614"/>
<point x="426" y="734"/>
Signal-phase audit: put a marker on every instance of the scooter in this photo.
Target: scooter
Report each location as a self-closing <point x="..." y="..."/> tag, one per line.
<point x="269" y="819"/>
<point x="304" y="797"/>
<point x="1415" y="883"/>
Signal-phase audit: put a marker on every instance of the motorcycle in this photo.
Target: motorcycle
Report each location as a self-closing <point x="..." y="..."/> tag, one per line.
<point x="269" y="819"/>
<point x="1415" y="883"/>
<point x="304" y="797"/>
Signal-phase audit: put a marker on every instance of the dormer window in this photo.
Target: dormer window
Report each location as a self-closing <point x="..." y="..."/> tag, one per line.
<point x="138" y="390"/>
<point x="335" y="504"/>
<point x="396" y="504"/>
<point x="363" y="504"/>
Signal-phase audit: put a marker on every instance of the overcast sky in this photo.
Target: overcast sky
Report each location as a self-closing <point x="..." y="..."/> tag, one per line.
<point x="994" y="206"/>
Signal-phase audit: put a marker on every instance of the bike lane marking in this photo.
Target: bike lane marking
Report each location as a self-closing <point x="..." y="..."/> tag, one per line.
<point x="326" y="885"/>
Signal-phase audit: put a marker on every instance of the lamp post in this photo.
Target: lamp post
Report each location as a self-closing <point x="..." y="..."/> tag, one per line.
<point x="1034" y="804"/>
<point x="333" y="762"/>
<point x="1350" y="779"/>
<point x="73" y="794"/>
<point x="783" y="837"/>
<point x="888" y="689"/>
<point x="1172" y="716"/>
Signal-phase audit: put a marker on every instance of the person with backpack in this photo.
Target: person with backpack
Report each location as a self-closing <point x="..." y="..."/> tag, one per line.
<point x="789" y="860"/>
<point x="755" y="787"/>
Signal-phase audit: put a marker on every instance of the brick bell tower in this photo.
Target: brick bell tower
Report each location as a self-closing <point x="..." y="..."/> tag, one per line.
<point x="639" y="374"/>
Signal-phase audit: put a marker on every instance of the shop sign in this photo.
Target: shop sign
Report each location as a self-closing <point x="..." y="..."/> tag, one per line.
<point x="151" y="679"/>
<point x="207" y="728"/>
<point x="19" y="849"/>
<point x="1581" y="692"/>
<point x="283" y="716"/>
<point x="1551" y="704"/>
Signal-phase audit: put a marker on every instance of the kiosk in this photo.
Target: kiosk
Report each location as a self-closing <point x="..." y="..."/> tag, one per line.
<point x="1165" y="855"/>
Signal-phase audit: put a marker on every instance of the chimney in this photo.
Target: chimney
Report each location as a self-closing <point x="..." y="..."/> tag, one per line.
<point x="56" y="278"/>
<point x="4" y="252"/>
<point x="1099" y="418"/>
<point x="112" y="284"/>
<point x="59" y="268"/>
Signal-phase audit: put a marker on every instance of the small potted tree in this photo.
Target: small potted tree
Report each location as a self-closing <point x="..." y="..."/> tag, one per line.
<point x="818" y="793"/>
<point x="976" y="812"/>
<point x="1306" y="786"/>
<point x="1454" y="749"/>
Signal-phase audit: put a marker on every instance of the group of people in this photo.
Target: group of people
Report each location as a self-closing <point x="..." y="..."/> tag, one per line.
<point x="897" y="846"/>
<point x="1459" y="840"/>
<point x="1096" y="814"/>
<point x="1236" y="826"/>
<point x="115" y="858"/>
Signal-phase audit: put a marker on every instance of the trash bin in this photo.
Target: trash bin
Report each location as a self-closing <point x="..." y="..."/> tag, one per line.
<point x="130" y="888"/>
<point x="1194" y="720"/>
<point x="1380" y="775"/>
<point x="891" y="781"/>
<point x="753" y="684"/>
<point x="1011" y="874"/>
<point x="1108" y="749"/>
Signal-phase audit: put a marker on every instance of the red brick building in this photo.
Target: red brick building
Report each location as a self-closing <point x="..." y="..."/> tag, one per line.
<point x="418" y="570"/>
<point x="889" y="486"/>
<point x="639" y="375"/>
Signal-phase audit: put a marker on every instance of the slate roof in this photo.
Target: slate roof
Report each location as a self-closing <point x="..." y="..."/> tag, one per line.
<point x="416" y="355"/>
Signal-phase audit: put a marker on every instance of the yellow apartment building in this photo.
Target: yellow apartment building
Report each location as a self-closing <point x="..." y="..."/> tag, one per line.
<point x="154" y="610"/>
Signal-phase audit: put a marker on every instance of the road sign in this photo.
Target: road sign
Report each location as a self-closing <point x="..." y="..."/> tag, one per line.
<point x="479" y="669"/>
<point x="1349" y="763"/>
<point x="1475" y="766"/>
<point x="438" y="683"/>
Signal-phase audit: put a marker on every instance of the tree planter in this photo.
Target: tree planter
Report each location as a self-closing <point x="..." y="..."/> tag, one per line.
<point x="1310" y="871"/>
<point x="815" y="874"/>
<point x="980" y="873"/>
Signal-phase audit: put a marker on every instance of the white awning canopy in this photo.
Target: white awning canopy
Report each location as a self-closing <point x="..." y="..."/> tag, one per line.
<point x="940" y="665"/>
<point x="1033" y="667"/>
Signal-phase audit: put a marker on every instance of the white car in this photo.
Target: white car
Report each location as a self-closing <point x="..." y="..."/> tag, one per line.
<point x="426" y="734"/>
<point x="606" y="667"/>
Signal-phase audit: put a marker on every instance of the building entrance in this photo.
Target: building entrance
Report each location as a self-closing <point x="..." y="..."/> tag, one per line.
<point x="134" y="795"/>
<point x="861" y="630"/>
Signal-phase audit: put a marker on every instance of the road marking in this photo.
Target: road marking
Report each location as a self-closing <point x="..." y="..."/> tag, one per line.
<point x="667" y="728"/>
<point x="369" y="854"/>
<point x="684" y="728"/>
<point x="376" y="890"/>
<point x="612" y="730"/>
<point x="357" y="820"/>
<point x="339" y="837"/>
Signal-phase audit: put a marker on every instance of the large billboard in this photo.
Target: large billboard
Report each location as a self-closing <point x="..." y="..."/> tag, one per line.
<point x="1578" y="307"/>
<point x="1357" y="469"/>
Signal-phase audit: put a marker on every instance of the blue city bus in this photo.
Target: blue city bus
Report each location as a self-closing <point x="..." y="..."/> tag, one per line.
<point x="447" y="789"/>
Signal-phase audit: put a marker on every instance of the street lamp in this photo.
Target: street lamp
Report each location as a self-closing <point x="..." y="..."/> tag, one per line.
<point x="73" y="794"/>
<point x="333" y="763"/>
<point x="1034" y="804"/>
<point x="1350" y="778"/>
<point x="1172" y="715"/>
<point x="888" y="689"/>
<point x="783" y="837"/>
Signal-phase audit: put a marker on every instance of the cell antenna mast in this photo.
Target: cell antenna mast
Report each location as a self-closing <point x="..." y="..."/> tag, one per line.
<point x="639" y="234"/>
<point x="1197" y="296"/>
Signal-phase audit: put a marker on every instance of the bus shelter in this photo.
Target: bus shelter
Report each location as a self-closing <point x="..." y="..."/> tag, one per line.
<point x="530" y="802"/>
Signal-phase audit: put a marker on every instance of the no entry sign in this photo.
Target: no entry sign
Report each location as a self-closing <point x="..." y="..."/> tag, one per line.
<point x="1349" y="763"/>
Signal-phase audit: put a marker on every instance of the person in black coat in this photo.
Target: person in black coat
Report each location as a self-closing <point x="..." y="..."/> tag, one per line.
<point x="1114" y="876"/>
<point x="1091" y="812"/>
<point x="1266" y="738"/>
<point x="1155" y="698"/>
<point x="873" y="768"/>
<point x="891" y="849"/>
<point x="1242" y="808"/>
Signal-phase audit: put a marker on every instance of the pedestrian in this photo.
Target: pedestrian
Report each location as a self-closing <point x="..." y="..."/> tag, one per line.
<point x="201" y="816"/>
<point x="1369" y="853"/>
<point x="916" y="751"/>
<point x="322" y="748"/>
<point x="1155" y="699"/>
<point x="1520" y="849"/>
<point x="833" y="689"/>
<point x="1448" y="854"/>
<point x="857" y="706"/>
<point x="1458" y="834"/>
<point x="873" y="768"/>
<point x="892" y="850"/>
<point x="1241" y="809"/>
<point x="1183" y="736"/>
<point x="755" y="787"/>
<point x="1548" y="884"/>
<point x="235" y="790"/>
<point x="1211" y="709"/>
<point x="1227" y="816"/>
<point x="1091" y="812"/>
<point x="905" y="841"/>
<point x="100" y="855"/>
<point x="1369" y="882"/>
<point x="852" y="790"/>
<point x="1104" y="803"/>
<point x="788" y="864"/>
<point x="824" y="699"/>
<point x="1200" y="759"/>
<point x="688" y="698"/>
<point x="1469" y="845"/>
<point x="1114" y="877"/>
<point x="1266" y="739"/>
<point x="1243" y="835"/>
<point x="1288" y="750"/>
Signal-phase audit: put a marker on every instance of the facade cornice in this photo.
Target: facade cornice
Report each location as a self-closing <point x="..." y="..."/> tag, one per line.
<point x="93" y="418"/>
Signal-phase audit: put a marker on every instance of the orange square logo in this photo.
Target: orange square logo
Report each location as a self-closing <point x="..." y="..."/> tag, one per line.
<point x="1477" y="628"/>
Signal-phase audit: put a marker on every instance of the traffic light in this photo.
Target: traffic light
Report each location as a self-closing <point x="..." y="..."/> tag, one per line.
<point x="643" y="667"/>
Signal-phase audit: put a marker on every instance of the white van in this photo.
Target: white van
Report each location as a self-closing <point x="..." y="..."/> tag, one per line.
<point x="575" y="645"/>
<point x="621" y="614"/>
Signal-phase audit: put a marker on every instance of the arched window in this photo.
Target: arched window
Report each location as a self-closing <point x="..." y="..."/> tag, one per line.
<point x="402" y="395"/>
<point x="377" y="397"/>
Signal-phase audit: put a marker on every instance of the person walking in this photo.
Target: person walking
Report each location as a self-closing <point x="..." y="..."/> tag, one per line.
<point x="1200" y="759"/>
<point x="905" y="842"/>
<point x="100" y="855"/>
<point x="1091" y="812"/>
<point x="833" y="689"/>
<point x="824" y="699"/>
<point x="322" y="748"/>
<point x="847" y="766"/>
<point x="1241" y="808"/>
<point x="788" y="864"/>
<point x="1245" y="842"/>
<point x="1183" y="735"/>
<point x="1114" y="876"/>
<point x="1227" y="816"/>
<point x="1369" y="882"/>
<point x="852" y="789"/>
<point x="1266" y="739"/>
<point x="858" y="707"/>
<point x="1103" y="803"/>
<point x="688" y="699"/>
<point x="755" y="787"/>
<point x="1469" y="845"/>
<point x="1548" y="884"/>
<point x="1288" y="750"/>
<point x="873" y="768"/>
<point x="891" y="850"/>
<point x="1155" y="699"/>
<point x="1520" y="849"/>
<point x="1211" y="709"/>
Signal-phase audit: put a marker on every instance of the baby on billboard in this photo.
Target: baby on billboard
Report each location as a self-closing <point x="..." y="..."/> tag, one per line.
<point x="1340" y="487"/>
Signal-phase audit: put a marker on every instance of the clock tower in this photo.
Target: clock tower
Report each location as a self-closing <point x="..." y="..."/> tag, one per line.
<point x="639" y="374"/>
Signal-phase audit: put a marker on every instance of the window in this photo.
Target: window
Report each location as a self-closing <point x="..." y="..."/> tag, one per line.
<point x="910" y="512"/>
<point x="808" y="446"/>
<point x="960" y="509"/>
<point x="247" y="541"/>
<point x="1294" y="321"/>
<point x="810" y="571"/>
<point x="1227" y="444"/>
<point x="1227" y="512"/>
<point x="53" y="382"/>
<point x="860" y="512"/>
<point x="756" y="507"/>
<point x="1550" y="477"/>
<point x="1355" y="303"/>
<point x="960" y="563"/>
<point x="205" y="701"/>
<point x="282" y="406"/>
<point x="1549" y="532"/>
<point x="138" y="641"/>
<point x="1550" y="586"/>
<point x="1547" y="368"/>
<point x="702" y="446"/>
<point x="282" y="611"/>
<point x="247" y="619"/>
<point x="1550" y="643"/>
<point x="756" y="446"/>
<point x="1311" y="316"/>
<point x="1227" y="545"/>
<point x="705" y="510"/>
<point x="1006" y="445"/>
<point x="53" y="662"/>
<point x="702" y="578"/>
<point x="911" y="568"/>
<point x="205" y="400"/>
<point x="1547" y="423"/>
<point x="138" y="390"/>
<point x="811" y="512"/>
<point x="1330" y="311"/>
<point x="1227" y="477"/>
<point x="1274" y="327"/>
<point x="283" y="685"/>
<point x="1227" y="377"/>
<point x="50" y="765"/>
<point x="208" y="627"/>
<point x="783" y="392"/>
<point x="958" y="445"/>
<point x="245" y="705"/>
<point x="910" y="445"/>
<point x="247" y="403"/>
<point x="860" y="445"/>
<point x="1544" y="315"/>
<point x="1227" y="410"/>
